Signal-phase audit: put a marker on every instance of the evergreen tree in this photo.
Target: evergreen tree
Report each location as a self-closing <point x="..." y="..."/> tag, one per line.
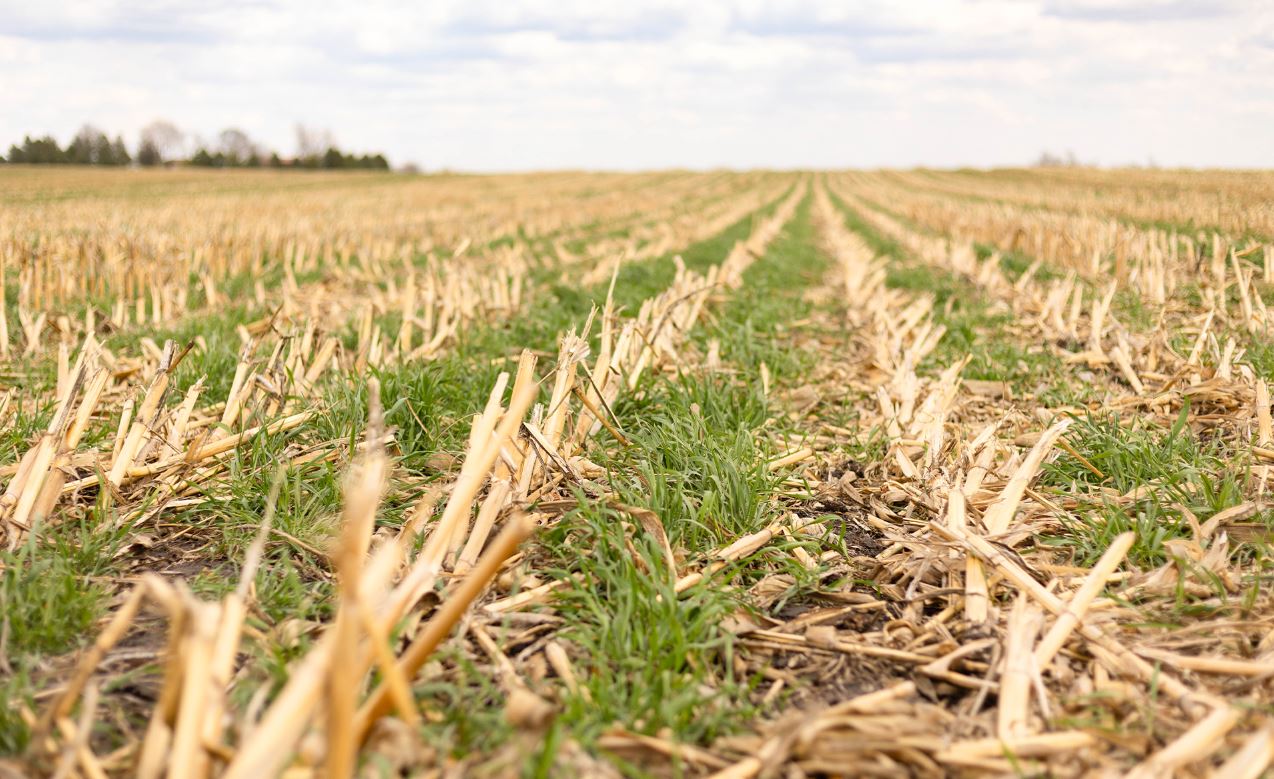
<point x="119" y="152"/>
<point x="42" y="151"/>
<point x="103" y="153"/>
<point x="148" y="153"/>
<point x="80" y="151"/>
<point x="234" y="149"/>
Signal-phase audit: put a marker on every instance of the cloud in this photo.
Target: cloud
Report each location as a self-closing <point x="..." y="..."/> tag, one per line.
<point x="488" y="85"/>
<point x="639" y="24"/>
<point x="814" y="22"/>
<point x="1139" y="10"/>
<point x="945" y="51"/>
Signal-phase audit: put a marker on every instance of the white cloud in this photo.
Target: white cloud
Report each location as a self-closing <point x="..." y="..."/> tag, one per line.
<point x="502" y="85"/>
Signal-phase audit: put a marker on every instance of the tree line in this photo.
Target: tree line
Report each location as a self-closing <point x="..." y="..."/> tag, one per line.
<point x="89" y="147"/>
<point x="163" y="143"/>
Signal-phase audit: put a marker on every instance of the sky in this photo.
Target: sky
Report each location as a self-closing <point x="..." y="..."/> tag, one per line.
<point x="493" y="85"/>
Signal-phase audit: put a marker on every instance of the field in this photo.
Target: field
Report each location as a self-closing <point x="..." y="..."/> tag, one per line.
<point x="919" y="473"/>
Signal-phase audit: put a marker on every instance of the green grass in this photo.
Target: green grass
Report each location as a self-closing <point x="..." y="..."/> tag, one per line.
<point x="1184" y="471"/>
<point x="468" y="705"/>
<point x="1129" y="307"/>
<point x="650" y="658"/>
<point x="1015" y="263"/>
<point x="1259" y="353"/>
<point x="52" y="598"/>
<point x="653" y="660"/>
<point x="24" y="427"/>
<point x="49" y="600"/>
<point x="695" y="460"/>
<point x="751" y="326"/>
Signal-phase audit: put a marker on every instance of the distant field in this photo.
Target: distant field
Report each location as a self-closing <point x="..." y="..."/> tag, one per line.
<point x="898" y="473"/>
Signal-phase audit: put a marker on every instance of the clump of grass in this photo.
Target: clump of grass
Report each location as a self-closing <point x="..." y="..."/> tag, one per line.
<point x="14" y="732"/>
<point x="695" y="461"/>
<point x="50" y="606"/>
<point x="1179" y="470"/>
<point x="468" y="705"/>
<point x="23" y="426"/>
<point x="1259" y="353"/>
<point x="650" y="657"/>
<point x="49" y="602"/>
<point x="1015" y="263"/>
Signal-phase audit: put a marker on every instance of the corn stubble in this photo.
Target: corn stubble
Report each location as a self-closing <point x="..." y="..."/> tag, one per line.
<point x="1014" y="613"/>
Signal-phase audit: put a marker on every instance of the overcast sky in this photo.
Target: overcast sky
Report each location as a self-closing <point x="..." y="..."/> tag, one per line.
<point x="506" y="84"/>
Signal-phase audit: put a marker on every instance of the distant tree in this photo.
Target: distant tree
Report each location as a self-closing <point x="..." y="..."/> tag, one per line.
<point x="312" y="143"/>
<point x="79" y="151"/>
<point x="165" y="137"/>
<point x="37" y="151"/>
<point x="333" y="158"/>
<point x="237" y="147"/>
<point x="148" y="154"/>
<point x="119" y="152"/>
<point x="45" y="150"/>
<point x="1049" y="160"/>
<point x="103" y="152"/>
<point x="88" y="146"/>
<point x="160" y="140"/>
